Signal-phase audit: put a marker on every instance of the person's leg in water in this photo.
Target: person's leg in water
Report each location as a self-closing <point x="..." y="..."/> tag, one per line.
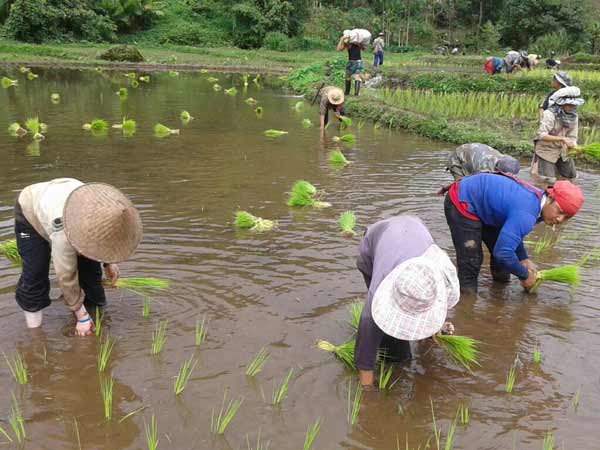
<point x="566" y="169"/>
<point x="489" y="235"/>
<point x="348" y="79"/>
<point x="395" y="350"/>
<point x="90" y="280"/>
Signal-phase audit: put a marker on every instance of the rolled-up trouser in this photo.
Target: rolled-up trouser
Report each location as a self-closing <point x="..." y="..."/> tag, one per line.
<point x="546" y="169"/>
<point x="33" y="288"/>
<point x="467" y="236"/>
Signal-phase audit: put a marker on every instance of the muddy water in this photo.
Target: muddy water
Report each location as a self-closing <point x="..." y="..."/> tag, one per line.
<point x="282" y="290"/>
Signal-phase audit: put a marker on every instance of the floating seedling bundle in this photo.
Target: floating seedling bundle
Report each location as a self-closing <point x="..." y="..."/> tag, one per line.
<point x="123" y="93"/>
<point x="337" y="159"/>
<point x="299" y="106"/>
<point x="10" y="251"/>
<point x="145" y="78"/>
<point x="31" y="76"/>
<point x="162" y="131"/>
<point x="128" y="126"/>
<point x="15" y="130"/>
<point x="274" y="133"/>
<point x="36" y="128"/>
<point x="344" y="352"/>
<point x="217" y="87"/>
<point x="250" y="101"/>
<point x="568" y="274"/>
<point x="345" y="122"/>
<point x="185" y="117"/>
<point x="212" y="80"/>
<point x="305" y="194"/>
<point x="306" y="123"/>
<point x="231" y="91"/>
<point x="347" y="222"/>
<point x="142" y="285"/>
<point x="345" y="138"/>
<point x="463" y="350"/>
<point x="98" y="127"/>
<point x="7" y="82"/>
<point x="55" y="98"/>
<point x="24" y="69"/>
<point x="173" y="73"/>
<point x="245" y="220"/>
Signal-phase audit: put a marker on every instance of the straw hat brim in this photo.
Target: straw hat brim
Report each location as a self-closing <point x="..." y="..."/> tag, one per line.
<point x="335" y="96"/>
<point x="101" y="223"/>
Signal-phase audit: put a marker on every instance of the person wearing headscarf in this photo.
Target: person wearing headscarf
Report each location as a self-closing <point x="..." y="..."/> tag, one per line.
<point x="514" y="60"/>
<point x="556" y="134"/>
<point x="411" y="286"/>
<point x="79" y="228"/>
<point x="559" y="80"/>
<point x="493" y="65"/>
<point x="469" y="159"/>
<point x="500" y="210"/>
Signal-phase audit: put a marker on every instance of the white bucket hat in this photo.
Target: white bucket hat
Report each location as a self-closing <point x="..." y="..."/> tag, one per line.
<point x="413" y="300"/>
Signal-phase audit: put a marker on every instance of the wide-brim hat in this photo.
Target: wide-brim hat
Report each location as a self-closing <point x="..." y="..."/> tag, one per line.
<point x="101" y="223"/>
<point x="412" y="301"/>
<point x="563" y="79"/>
<point x="335" y="96"/>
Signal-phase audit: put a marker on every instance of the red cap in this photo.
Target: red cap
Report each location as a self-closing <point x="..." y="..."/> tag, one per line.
<point x="568" y="196"/>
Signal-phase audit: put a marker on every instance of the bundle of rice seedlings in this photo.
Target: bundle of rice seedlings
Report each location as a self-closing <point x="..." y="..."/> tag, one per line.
<point x="163" y="131"/>
<point x="303" y="194"/>
<point x="299" y="106"/>
<point x="245" y="220"/>
<point x="347" y="222"/>
<point x="140" y="284"/>
<point x="10" y="251"/>
<point x="15" y="130"/>
<point x="99" y="69"/>
<point x="250" y="101"/>
<point x="461" y="349"/>
<point x="274" y="133"/>
<point x="145" y="78"/>
<point x="231" y="91"/>
<point x="568" y="274"/>
<point x="55" y="98"/>
<point x="344" y="352"/>
<point x="337" y="159"/>
<point x="31" y="76"/>
<point x="173" y="73"/>
<point x="245" y="79"/>
<point x="134" y="84"/>
<point x="345" y="138"/>
<point x="96" y="125"/>
<point x="346" y="121"/>
<point x="259" y="111"/>
<point x="185" y="117"/>
<point x="355" y="311"/>
<point x="212" y="80"/>
<point x="35" y="127"/>
<point x="217" y="87"/>
<point x="24" y="69"/>
<point x="306" y="123"/>
<point x="122" y="92"/>
<point x="203" y="71"/>
<point x="7" y="82"/>
<point x="592" y="150"/>
<point x="128" y="126"/>
<point x="131" y="75"/>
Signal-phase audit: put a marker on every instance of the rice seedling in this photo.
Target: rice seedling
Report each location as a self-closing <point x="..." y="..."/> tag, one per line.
<point x="77" y="433"/>
<point x="123" y="93"/>
<point x="173" y="73"/>
<point x="134" y="84"/>
<point x="259" y="445"/>
<point x="306" y="123"/>
<point x="311" y="434"/>
<point x="131" y="75"/>
<point x="145" y="78"/>
<point x="185" y="117"/>
<point x="151" y="434"/>
<point x="337" y="159"/>
<point x="299" y="106"/>
<point x="355" y="310"/>
<point x="450" y="436"/>
<point x="17" y="368"/>
<point x="360" y="124"/>
<point x="203" y="71"/>
<point x="345" y="122"/>
<point x="353" y="402"/>
<point x="257" y="362"/>
<point x="511" y="377"/>
<point x="542" y="244"/>
<point x="219" y="423"/>
<point x="212" y="80"/>
<point x="463" y="415"/>
<point x="129" y="127"/>
<point x="245" y="79"/>
<point x="280" y="391"/>
<point x="24" y="69"/>
<point x="15" y="419"/>
<point x="345" y="138"/>
<point x="146" y="307"/>
<point x="141" y="284"/>
<point x="303" y="194"/>
<point x="256" y="79"/>
<point x="35" y="127"/>
<point x="96" y="125"/>
<point x="385" y="375"/>
<point x="106" y="347"/>
<point x="10" y="251"/>
<point x="33" y="149"/>
<point x="250" y="101"/>
<point x="162" y="131"/>
<point x="568" y="274"/>
<point x="344" y="352"/>
<point x="15" y="130"/>
<point x="185" y="372"/>
<point x="159" y="337"/>
<point x="548" y="443"/>
<point x="537" y="354"/>
<point x="347" y="222"/>
<point x="245" y="220"/>
<point x="274" y="133"/>
<point x="217" y="87"/>
<point x="201" y="331"/>
<point x="7" y="82"/>
<point x="99" y="69"/>
<point x="576" y="399"/>
<point x="462" y="349"/>
<point x="55" y="98"/>
<point x="259" y="111"/>
<point x="31" y="76"/>
<point x="106" y="391"/>
<point x="98" y="322"/>
<point x="232" y="91"/>
<point x="5" y="434"/>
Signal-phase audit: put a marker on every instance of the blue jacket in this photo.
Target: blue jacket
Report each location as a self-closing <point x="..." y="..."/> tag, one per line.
<point x="501" y="202"/>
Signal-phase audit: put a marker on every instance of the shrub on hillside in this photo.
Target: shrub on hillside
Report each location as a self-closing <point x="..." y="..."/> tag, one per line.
<point x="194" y="34"/>
<point x="277" y="41"/>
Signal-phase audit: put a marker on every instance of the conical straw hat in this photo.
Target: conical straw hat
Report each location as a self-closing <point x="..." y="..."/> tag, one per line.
<point x="335" y="96"/>
<point x="101" y="223"/>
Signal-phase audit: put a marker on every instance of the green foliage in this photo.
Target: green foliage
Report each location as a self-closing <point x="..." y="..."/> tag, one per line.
<point x="275" y="40"/>
<point x="10" y="251"/>
<point x="489" y="37"/>
<point x="557" y="41"/>
<point x="185" y="372"/>
<point x="347" y="222"/>
<point x="130" y="15"/>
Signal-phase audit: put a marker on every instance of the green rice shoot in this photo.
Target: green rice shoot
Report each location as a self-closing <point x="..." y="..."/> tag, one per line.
<point x="162" y="131"/>
<point x="145" y="78"/>
<point x="274" y="133"/>
<point x="245" y="220"/>
<point x="568" y="274"/>
<point x="201" y="330"/>
<point x="576" y="399"/>
<point x="232" y="91"/>
<point x="462" y="349"/>
<point x="134" y="84"/>
<point x="250" y="101"/>
<point x="220" y="422"/>
<point x="185" y="372"/>
<point x="280" y="391"/>
<point x="345" y="138"/>
<point x="151" y="434"/>
<point x="7" y="82"/>
<point x="307" y="123"/>
<point x="337" y="158"/>
<point x="537" y="354"/>
<point x="185" y="117"/>
<point x="347" y="223"/>
<point x="259" y="444"/>
<point x="15" y="419"/>
<point x="463" y="415"/>
<point x="548" y="443"/>
<point x="98" y="322"/>
<point x="355" y="310"/>
<point x="55" y="98"/>
<point x="217" y="87"/>
<point x="159" y="337"/>
<point x="344" y="352"/>
<point x="146" y="307"/>
<point x="5" y="434"/>
<point x="303" y="194"/>
<point x="353" y="402"/>
<point x="311" y="434"/>
<point x="256" y="364"/>
<point x="129" y="127"/>
<point x="33" y="125"/>
<point x="17" y="368"/>
<point x="10" y="251"/>
<point x="385" y="376"/>
<point x="511" y="377"/>
<point x="212" y="80"/>
<point x="345" y="122"/>
<point x="123" y="92"/>
<point x="142" y="284"/>
<point x="106" y="347"/>
<point x="96" y="125"/>
<point x="106" y="390"/>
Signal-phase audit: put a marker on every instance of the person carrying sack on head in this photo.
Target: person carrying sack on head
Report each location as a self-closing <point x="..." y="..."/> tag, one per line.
<point x="80" y="228"/>
<point x="556" y="135"/>
<point x="469" y="159"/>
<point x="354" y="66"/>
<point x="378" y="45"/>
<point x="332" y="98"/>
<point x="500" y="210"/>
<point x="411" y="286"/>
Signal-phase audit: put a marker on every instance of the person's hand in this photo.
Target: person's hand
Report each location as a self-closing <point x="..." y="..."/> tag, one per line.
<point x="85" y="328"/>
<point x="530" y="281"/>
<point x="447" y="328"/>
<point x="570" y="143"/>
<point x="529" y="265"/>
<point x="112" y="273"/>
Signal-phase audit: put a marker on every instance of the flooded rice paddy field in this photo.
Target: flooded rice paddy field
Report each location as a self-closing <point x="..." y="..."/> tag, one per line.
<point x="281" y="290"/>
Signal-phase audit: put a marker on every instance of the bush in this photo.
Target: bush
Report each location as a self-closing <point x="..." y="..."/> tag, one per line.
<point x="489" y="37"/>
<point x="194" y="34"/>
<point x="557" y="42"/>
<point x="309" y="43"/>
<point x="277" y="41"/>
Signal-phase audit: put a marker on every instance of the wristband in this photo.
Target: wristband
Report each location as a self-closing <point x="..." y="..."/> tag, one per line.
<point x="84" y="320"/>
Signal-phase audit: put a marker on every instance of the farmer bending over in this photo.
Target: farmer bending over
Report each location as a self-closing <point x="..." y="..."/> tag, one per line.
<point x="78" y="226"/>
<point x="500" y="210"/>
<point x="469" y="159"/>
<point x="493" y="65"/>
<point x="411" y="285"/>
<point x="332" y="98"/>
<point x="354" y="66"/>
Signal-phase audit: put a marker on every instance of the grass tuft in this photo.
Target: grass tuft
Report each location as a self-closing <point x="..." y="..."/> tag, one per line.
<point x="256" y="364"/>
<point x="106" y="390"/>
<point x="106" y="347"/>
<point x="200" y="331"/>
<point x="185" y="372"/>
<point x="17" y="368"/>
<point x="311" y="434"/>
<point x="151" y="434"/>
<point x="218" y="424"/>
<point x="159" y="337"/>
<point x="280" y="391"/>
<point x="461" y="349"/>
<point x="10" y="251"/>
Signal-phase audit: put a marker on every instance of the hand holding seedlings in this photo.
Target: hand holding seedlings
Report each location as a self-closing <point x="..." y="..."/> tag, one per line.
<point x="112" y="273"/>
<point x="531" y="279"/>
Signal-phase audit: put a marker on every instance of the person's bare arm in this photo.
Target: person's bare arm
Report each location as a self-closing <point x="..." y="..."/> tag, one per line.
<point x="341" y="46"/>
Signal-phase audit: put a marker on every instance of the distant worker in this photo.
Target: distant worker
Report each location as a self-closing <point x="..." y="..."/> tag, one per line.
<point x="532" y="61"/>
<point x="469" y="159"/>
<point x="559" y="80"/>
<point x="351" y="41"/>
<point x="552" y="62"/>
<point x="411" y="284"/>
<point x="332" y="98"/>
<point x="515" y="60"/>
<point x="556" y="135"/>
<point x="378" y="45"/>
<point x="493" y="65"/>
